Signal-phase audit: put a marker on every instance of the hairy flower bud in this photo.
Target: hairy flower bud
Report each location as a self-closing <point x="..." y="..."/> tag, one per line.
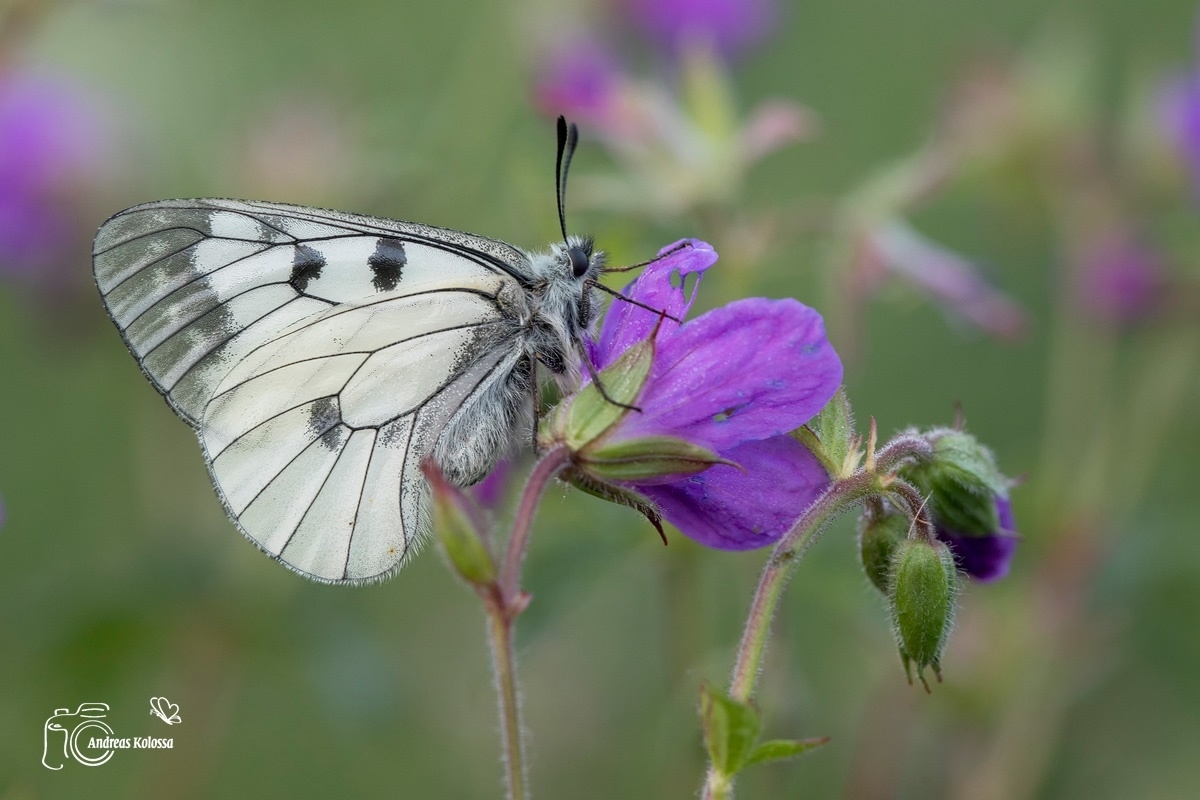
<point x="460" y="529"/>
<point x="961" y="481"/>
<point x="880" y="531"/>
<point x="922" y="594"/>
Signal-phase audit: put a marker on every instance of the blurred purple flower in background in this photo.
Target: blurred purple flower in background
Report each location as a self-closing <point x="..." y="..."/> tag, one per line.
<point x="1181" y="116"/>
<point x="679" y="136"/>
<point x="585" y="81"/>
<point x="736" y="380"/>
<point x="730" y="27"/>
<point x="985" y="558"/>
<point x="53" y="137"/>
<point x="493" y="491"/>
<point x="1120" y="280"/>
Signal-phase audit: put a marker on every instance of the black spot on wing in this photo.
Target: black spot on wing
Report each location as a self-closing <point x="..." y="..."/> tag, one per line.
<point x="333" y="438"/>
<point x="387" y="262"/>
<point x="306" y="266"/>
<point x="323" y="418"/>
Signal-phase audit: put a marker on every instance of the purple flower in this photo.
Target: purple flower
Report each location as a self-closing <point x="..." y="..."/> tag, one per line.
<point x="736" y="380"/>
<point x="491" y="492"/>
<point x="731" y="27"/>
<point x="985" y="558"/>
<point x="50" y="138"/>
<point x="1181" y="117"/>
<point x="1121" y="281"/>
<point x="584" y="81"/>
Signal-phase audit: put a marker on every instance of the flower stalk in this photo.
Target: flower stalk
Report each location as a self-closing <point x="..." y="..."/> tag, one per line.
<point x="463" y="534"/>
<point x="504" y="601"/>
<point x="874" y="479"/>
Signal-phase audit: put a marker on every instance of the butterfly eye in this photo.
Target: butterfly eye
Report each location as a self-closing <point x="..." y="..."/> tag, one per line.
<point x="579" y="261"/>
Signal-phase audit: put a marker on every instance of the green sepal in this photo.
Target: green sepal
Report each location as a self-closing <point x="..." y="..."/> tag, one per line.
<point x="923" y="590"/>
<point x="617" y="494"/>
<point x="461" y="530"/>
<point x="647" y="457"/>
<point x="730" y="730"/>
<point x="830" y="436"/>
<point x="590" y="413"/>
<point x="781" y="749"/>
<point x="880" y="531"/>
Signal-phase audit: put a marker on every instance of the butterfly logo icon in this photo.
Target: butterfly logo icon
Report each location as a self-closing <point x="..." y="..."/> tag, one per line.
<point x="165" y="710"/>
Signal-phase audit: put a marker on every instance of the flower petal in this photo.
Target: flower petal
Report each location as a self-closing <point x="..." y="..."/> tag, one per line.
<point x="582" y="79"/>
<point x="985" y="558"/>
<point x="626" y="324"/>
<point x="733" y="27"/>
<point x="726" y="508"/>
<point x="753" y="369"/>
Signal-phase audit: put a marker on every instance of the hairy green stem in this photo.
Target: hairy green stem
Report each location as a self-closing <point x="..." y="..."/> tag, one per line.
<point x="838" y="498"/>
<point x="504" y="601"/>
<point x="549" y="465"/>
<point x="504" y="666"/>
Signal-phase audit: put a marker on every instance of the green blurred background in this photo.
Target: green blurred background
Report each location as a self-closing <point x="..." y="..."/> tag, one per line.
<point x="121" y="579"/>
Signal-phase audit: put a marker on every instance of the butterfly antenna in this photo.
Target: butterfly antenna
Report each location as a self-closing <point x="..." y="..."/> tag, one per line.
<point x="568" y="139"/>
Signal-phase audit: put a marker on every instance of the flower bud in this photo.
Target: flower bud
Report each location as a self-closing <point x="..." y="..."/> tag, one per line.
<point x="879" y="533"/>
<point x="923" y="587"/>
<point x="460" y="529"/>
<point x="961" y="481"/>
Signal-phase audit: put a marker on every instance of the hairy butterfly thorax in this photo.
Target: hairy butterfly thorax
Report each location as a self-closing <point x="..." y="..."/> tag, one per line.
<point x="565" y="305"/>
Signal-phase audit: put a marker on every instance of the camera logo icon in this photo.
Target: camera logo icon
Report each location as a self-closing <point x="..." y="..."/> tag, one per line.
<point x="67" y="733"/>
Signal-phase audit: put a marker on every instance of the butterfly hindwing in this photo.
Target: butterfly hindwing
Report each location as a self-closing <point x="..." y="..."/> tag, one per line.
<point x="320" y="356"/>
<point x="293" y="430"/>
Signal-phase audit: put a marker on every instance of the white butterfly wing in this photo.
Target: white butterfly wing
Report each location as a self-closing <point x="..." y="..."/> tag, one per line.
<point x="319" y="354"/>
<point x="194" y="285"/>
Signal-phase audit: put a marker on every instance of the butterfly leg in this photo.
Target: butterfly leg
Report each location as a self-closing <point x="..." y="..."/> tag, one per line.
<point x="640" y="264"/>
<point x="591" y="370"/>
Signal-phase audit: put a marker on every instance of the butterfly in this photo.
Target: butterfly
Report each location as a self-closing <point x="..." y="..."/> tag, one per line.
<point x="322" y="356"/>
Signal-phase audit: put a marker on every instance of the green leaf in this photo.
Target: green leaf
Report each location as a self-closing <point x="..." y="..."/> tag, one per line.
<point x="829" y="435"/>
<point x="730" y="730"/>
<point x="781" y="749"/>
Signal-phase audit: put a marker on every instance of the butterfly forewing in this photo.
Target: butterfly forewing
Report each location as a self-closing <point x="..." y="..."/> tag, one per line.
<point x="319" y="355"/>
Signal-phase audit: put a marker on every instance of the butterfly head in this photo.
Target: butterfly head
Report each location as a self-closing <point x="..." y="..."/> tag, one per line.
<point x="580" y="256"/>
<point x="563" y="286"/>
<point x="575" y="261"/>
<point x="579" y="259"/>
